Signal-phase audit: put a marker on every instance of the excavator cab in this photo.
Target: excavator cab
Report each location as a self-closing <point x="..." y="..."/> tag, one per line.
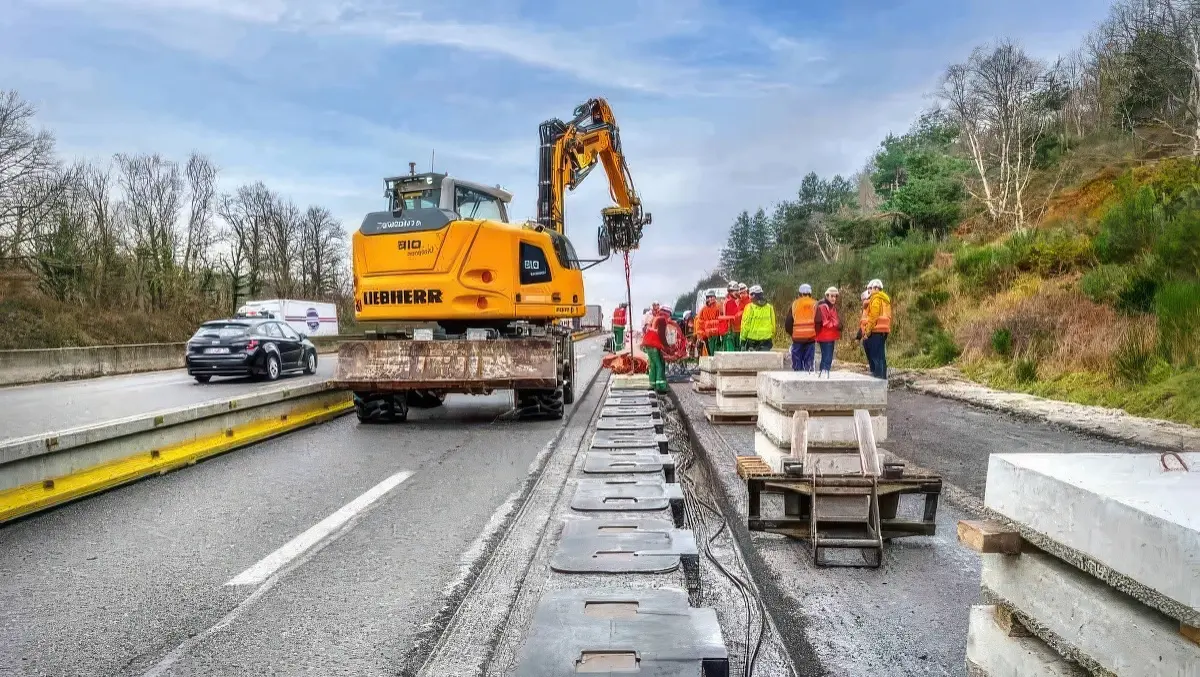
<point x="466" y="199"/>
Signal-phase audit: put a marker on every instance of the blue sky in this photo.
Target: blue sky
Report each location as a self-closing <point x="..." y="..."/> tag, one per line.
<point x="723" y="105"/>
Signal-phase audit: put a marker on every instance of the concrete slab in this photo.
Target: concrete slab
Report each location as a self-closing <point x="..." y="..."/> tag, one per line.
<point x="991" y="652"/>
<point x="736" y="404"/>
<point x="632" y="461"/>
<point x="629" y="439"/>
<point x="647" y="632"/>
<point x="625" y="494"/>
<point x="828" y="463"/>
<point x="706" y="364"/>
<point x="1120" y="517"/>
<point x="615" y="546"/>
<point x="839" y="391"/>
<point x="1086" y="620"/>
<point x="823" y="431"/>
<point x="630" y="423"/>
<point x="631" y="381"/>
<point x="749" y="362"/>
<point x="705" y="380"/>
<point x="624" y="412"/>
<point x="736" y="384"/>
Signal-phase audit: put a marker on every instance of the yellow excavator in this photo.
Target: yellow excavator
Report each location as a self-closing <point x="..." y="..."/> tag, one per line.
<point x="458" y="299"/>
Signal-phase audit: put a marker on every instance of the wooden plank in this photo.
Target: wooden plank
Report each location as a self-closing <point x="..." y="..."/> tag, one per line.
<point x="985" y="536"/>
<point x="800" y="436"/>
<point x="1009" y="623"/>
<point x="1190" y="632"/>
<point x="867" y="450"/>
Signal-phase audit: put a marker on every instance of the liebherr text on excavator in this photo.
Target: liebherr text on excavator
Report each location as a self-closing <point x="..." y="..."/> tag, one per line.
<point x="457" y="298"/>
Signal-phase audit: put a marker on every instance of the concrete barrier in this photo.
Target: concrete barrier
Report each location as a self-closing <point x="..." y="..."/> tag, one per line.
<point x="41" y="471"/>
<point x="65" y="364"/>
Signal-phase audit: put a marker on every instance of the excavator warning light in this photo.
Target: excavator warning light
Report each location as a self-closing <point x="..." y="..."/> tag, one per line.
<point x="481" y="303"/>
<point x="486" y="277"/>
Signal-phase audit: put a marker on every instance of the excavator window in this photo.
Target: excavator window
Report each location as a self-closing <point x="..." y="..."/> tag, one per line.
<point x="472" y="204"/>
<point x="564" y="251"/>
<point x="425" y="199"/>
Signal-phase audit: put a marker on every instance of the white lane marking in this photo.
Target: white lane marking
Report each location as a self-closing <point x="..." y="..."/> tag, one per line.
<point x="293" y="548"/>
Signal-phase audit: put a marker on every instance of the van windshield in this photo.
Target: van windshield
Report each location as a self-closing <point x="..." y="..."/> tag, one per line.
<point x="220" y="330"/>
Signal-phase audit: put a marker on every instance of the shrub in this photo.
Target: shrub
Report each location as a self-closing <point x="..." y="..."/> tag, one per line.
<point x="984" y="268"/>
<point x="1104" y="283"/>
<point x="929" y="300"/>
<point x="1131" y="226"/>
<point x="940" y="346"/>
<point x="1137" y="296"/>
<point x="1178" y="247"/>
<point x="1134" y="359"/>
<point x="1177" y="305"/>
<point x="1002" y="341"/>
<point x="1025" y="370"/>
<point x="900" y="260"/>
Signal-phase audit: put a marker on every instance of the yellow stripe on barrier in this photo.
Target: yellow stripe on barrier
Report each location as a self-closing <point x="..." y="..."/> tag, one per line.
<point x="29" y="498"/>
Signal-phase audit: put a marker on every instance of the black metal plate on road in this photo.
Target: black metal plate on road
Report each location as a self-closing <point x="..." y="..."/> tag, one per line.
<point x="619" y="401"/>
<point x="646" y="632"/>
<point x="607" y="412"/>
<point x="629" y="439"/>
<point x="630" y="423"/>
<point x="636" y="461"/>
<point x="647" y="546"/>
<point x="614" y="392"/>
<point x="630" y="493"/>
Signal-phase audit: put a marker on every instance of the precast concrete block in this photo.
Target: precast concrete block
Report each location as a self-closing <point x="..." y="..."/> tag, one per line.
<point x="1131" y="519"/>
<point x="737" y="384"/>
<point x="736" y="404"/>
<point x="705" y="380"/>
<point x="706" y="364"/>
<point x="823" y="431"/>
<point x="749" y="362"/>
<point x="1084" y="619"/>
<point x="826" y="463"/>
<point x="991" y="652"/>
<point x="837" y="391"/>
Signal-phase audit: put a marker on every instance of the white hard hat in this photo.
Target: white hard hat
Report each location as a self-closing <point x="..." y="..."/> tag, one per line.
<point x="710" y="294"/>
<point x="741" y="285"/>
<point x="756" y="289"/>
<point x="733" y="284"/>
<point x="866" y="294"/>
<point x="805" y="288"/>
<point x="831" y="290"/>
<point x="875" y="284"/>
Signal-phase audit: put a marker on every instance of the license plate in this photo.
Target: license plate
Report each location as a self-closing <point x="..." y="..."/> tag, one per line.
<point x="422" y="334"/>
<point x="216" y="351"/>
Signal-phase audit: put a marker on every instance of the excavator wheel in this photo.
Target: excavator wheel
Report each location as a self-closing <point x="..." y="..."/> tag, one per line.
<point x="425" y="399"/>
<point x="540" y="404"/>
<point x="381" y="407"/>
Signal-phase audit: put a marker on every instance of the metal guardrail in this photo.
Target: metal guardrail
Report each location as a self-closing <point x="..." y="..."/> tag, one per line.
<point x="41" y="471"/>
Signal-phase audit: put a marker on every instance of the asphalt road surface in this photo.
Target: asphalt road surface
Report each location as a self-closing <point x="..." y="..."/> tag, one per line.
<point x="48" y="407"/>
<point x="326" y="551"/>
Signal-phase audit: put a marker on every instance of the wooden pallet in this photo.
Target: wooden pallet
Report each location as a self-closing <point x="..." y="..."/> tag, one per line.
<point x="703" y="390"/>
<point x="718" y="417"/>
<point x="752" y="466"/>
<point x="995" y="537"/>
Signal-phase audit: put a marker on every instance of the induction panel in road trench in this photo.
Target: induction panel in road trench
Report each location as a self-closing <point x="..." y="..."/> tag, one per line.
<point x="630" y="423"/>
<point x="629" y="439"/>
<point x="644" y="632"/>
<point x="629" y="392"/>
<point x="629" y="461"/>
<point x="628" y="494"/>
<point x="625" y="401"/>
<point x="624" y="411"/>
<point x="625" y="546"/>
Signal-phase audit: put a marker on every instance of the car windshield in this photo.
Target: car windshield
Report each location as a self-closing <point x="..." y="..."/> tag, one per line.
<point x="226" y="330"/>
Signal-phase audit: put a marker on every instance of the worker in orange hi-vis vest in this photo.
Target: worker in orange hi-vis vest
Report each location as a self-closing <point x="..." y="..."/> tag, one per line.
<point x="877" y="328"/>
<point x="801" y="323"/>
<point x="729" y="313"/>
<point x="708" y="323"/>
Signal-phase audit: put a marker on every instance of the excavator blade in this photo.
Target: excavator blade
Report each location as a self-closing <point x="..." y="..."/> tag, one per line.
<point x="453" y="365"/>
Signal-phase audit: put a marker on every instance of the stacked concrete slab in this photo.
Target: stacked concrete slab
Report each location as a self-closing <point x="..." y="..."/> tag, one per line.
<point x="806" y="418"/>
<point x="610" y="606"/>
<point x="735" y="377"/>
<point x="706" y="380"/>
<point x="1094" y="564"/>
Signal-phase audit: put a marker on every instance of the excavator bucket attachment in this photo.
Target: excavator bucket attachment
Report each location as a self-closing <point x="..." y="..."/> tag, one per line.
<point x="457" y="365"/>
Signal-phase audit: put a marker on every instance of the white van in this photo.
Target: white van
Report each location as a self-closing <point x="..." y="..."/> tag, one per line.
<point x="720" y="292"/>
<point x="312" y="318"/>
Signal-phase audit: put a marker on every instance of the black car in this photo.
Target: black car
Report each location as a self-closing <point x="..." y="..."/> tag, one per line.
<point x="248" y="347"/>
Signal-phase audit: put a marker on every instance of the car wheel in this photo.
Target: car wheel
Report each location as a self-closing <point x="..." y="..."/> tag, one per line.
<point x="310" y="364"/>
<point x="273" y="368"/>
<point x="203" y="378"/>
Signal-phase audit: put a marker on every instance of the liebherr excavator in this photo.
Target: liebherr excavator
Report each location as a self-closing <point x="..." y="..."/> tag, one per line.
<point x="459" y="299"/>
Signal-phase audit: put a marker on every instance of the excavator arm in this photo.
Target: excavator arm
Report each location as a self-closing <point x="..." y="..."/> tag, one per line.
<point x="569" y="152"/>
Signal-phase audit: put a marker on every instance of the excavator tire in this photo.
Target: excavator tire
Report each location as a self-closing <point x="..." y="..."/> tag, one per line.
<point x="381" y="407"/>
<point x="534" y="405"/>
<point x="425" y="399"/>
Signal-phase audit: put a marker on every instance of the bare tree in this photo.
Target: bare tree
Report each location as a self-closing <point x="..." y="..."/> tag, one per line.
<point x="202" y="191"/>
<point x="153" y="191"/>
<point x="96" y="186"/>
<point x="283" y="246"/>
<point x="322" y="249"/>
<point x="27" y="171"/>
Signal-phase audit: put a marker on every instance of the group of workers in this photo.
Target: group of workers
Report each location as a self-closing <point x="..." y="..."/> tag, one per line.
<point x="744" y="320"/>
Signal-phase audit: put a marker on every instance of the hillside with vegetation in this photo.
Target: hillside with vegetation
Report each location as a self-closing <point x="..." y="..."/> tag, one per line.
<point x="140" y="248"/>
<point x="1039" y="228"/>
